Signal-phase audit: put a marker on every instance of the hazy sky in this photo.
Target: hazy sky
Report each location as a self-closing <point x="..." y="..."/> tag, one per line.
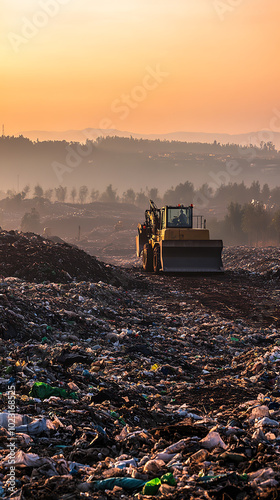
<point x="145" y="66"/>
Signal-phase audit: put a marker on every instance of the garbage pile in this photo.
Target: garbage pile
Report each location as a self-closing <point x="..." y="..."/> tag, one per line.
<point x="254" y="260"/>
<point x="33" y="258"/>
<point x="251" y="260"/>
<point x="108" y="392"/>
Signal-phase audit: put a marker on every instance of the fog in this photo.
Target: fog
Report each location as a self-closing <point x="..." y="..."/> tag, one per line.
<point x="133" y="163"/>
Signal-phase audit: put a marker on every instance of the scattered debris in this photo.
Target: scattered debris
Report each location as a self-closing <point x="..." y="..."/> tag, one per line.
<point x="149" y="386"/>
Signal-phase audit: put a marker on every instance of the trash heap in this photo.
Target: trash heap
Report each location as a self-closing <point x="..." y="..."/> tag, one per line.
<point x="253" y="260"/>
<point x="31" y="257"/>
<point x="111" y="392"/>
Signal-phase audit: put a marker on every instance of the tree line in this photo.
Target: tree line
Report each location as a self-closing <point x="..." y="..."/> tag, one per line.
<point x="22" y="144"/>
<point x="250" y="224"/>
<point x="184" y="193"/>
<point x="252" y="213"/>
<point x="54" y="163"/>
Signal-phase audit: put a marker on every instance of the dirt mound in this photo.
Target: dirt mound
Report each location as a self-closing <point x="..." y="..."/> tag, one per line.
<point x="33" y="258"/>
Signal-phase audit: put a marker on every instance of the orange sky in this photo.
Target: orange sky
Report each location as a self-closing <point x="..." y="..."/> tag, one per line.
<point x="144" y="66"/>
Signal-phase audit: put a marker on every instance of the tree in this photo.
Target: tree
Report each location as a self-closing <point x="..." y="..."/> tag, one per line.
<point x="255" y="223"/>
<point x="265" y="193"/>
<point x="11" y="193"/>
<point x="207" y="190"/>
<point x="16" y="199"/>
<point x="60" y="193"/>
<point x="270" y="146"/>
<point x="31" y="221"/>
<point x="26" y="190"/>
<point x="142" y="200"/>
<point x="73" y="194"/>
<point x="38" y="191"/>
<point x="83" y="194"/>
<point x="153" y="195"/>
<point x="94" y="194"/>
<point x="233" y="223"/>
<point x="49" y="194"/>
<point x="183" y="193"/>
<point x="110" y="195"/>
<point x="275" y="196"/>
<point x="255" y="191"/>
<point x="129" y="196"/>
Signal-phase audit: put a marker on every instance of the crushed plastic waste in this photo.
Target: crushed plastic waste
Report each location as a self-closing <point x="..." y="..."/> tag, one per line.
<point x="42" y="390"/>
<point x="143" y="386"/>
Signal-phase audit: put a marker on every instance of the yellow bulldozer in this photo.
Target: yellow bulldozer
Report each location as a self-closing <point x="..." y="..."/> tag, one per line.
<point x="172" y="239"/>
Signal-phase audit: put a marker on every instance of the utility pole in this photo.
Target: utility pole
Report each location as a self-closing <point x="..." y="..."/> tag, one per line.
<point x="3" y="130"/>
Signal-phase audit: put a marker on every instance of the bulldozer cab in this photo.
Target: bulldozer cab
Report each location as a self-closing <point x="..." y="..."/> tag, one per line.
<point x="177" y="217"/>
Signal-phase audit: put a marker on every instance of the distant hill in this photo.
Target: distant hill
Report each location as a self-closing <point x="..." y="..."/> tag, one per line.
<point x="254" y="138"/>
<point x="133" y="163"/>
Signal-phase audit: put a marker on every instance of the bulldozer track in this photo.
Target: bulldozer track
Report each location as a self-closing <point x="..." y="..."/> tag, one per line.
<point x="253" y="298"/>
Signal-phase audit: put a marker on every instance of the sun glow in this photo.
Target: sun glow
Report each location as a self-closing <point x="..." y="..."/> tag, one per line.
<point x="65" y="65"/>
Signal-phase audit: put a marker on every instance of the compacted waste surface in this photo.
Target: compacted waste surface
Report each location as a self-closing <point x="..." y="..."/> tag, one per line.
<point x="119" y="384"/>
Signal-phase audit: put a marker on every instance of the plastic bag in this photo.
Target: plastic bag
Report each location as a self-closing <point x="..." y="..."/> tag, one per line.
<point x="152" y="487"/>
<point x="44" y="391"/>
<point x="127" y="483"/>
<point x="212" y="440"/>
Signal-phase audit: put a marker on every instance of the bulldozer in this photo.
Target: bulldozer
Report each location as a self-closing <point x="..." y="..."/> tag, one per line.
<point x="172" y="239"/>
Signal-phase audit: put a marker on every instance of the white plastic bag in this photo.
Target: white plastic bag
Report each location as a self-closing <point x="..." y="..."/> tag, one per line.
<point x="212" y="440"/>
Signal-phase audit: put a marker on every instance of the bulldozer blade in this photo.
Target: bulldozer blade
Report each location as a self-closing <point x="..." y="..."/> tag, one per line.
<point x="191" y="256"/>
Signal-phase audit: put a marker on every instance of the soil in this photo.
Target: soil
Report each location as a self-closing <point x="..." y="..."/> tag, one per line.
<point x="232" y="295"/>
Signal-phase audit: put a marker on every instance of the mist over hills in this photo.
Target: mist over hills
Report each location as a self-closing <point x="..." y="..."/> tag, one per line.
<point x="245" y="139"/>
<point x="133" y="163"/>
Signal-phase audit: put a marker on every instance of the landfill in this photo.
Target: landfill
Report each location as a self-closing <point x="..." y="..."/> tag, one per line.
<point x="116" y="384"/>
